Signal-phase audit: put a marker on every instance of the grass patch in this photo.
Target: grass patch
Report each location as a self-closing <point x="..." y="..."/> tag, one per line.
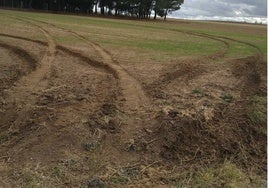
<point x="66" y="39"/>
<point x="57" y="172"/>
<point x="237" y="49"/>
<point x="226" y="175"/>
<point x="181" y="47"/>
<point x="257" y="111"/>
<point x="145" y="35"/>
<point x="3" y="137"/>
<point x="227" y="98"/>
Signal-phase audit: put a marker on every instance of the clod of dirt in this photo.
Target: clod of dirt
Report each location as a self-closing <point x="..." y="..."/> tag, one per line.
<point x="108" y="109"/>
<point x="131" y="146"/>
<point x="131" y="171"/>
<point x="169" y="111"/>
<point x="96" y="183"/>
<point x="114" y="125"/>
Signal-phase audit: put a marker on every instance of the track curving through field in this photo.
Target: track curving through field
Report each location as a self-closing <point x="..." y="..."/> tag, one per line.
<point x="177" y="72"/>
<point x="35" y="80"/>
<point x="134" y="95"/>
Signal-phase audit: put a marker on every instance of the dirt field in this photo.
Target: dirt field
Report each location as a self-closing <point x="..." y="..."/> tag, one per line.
<point x="94" y="102"/>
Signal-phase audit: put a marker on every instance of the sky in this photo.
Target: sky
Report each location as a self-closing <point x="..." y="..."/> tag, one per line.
<point x="229" y="10"/>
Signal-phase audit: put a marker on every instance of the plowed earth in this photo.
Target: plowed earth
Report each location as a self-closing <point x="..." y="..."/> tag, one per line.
<point x="72" y="113"/>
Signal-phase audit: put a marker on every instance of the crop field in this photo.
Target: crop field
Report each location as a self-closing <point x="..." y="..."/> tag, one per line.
<point x="101" y="102"/>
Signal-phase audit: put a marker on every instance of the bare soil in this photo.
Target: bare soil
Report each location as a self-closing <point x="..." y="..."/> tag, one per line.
<point x="72" y="116"/>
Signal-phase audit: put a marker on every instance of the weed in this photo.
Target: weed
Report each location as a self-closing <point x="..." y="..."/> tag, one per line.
<point x="3" y="138"/>
<point x="119" y="180"/>
<point x="57" y="172"/>
<point x="97" y="183"/>
<point x="257" y="110"/>
<point x="30" y="181"/>
<point x="95" y="145"/>
<point x="226" y="175"/>
<point x="198" y="92"/>
<point x="227" y="98"/>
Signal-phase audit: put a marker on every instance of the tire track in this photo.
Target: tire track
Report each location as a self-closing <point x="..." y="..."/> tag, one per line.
<point x="133" y="92"/>
<point x="35" y="81"/>
<point x="29" y="64"/>
<point x="22" y="97"/>
<point x="217" y="55"/>
<point x="189" y="69"/>
<point x="64" y="49"/>
<point x="174" y="74"/>
<point x="24" y="38"/>
<point x="23" y="54"/>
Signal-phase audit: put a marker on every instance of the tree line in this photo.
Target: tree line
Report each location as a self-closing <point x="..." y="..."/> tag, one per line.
<point x="142" y="9"/>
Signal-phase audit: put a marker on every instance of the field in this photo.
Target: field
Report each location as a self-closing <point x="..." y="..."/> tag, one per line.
<point x="100" y="102"/>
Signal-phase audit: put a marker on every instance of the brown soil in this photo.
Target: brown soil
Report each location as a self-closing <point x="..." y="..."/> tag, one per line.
<point x="68" y="117"/>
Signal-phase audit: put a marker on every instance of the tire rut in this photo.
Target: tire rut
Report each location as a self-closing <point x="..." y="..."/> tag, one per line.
<point x="23" y="54"/>
<point x="133" y="92"/>
<point x="66" y="50"/>
<point x="23" y="95"/>
<point x="189" y="69"/>
<point x="174" y="74"/>
<point x="36" y="81"/>
<point x="29" y="64"/>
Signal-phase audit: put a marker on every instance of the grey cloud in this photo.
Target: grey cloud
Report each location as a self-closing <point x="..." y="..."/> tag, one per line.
<point x="227" y="8"/>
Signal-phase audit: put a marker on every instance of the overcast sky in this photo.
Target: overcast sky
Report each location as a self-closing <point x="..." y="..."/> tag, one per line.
<point x="236" y="10"/>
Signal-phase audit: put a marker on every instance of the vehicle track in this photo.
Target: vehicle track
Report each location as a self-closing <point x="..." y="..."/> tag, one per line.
<point x="174" y="74"/>
<point x="29" y="64"/>
<point x="64" y="49"/>
<point x="22" y="97"/>
<point x="24" y="38"/>
<point x="134" y="94"/>
<point x="35" y="81"/>
<point x="23" y="54"/>
<point x="16" y="124"/>
<point x="132" y="90"/>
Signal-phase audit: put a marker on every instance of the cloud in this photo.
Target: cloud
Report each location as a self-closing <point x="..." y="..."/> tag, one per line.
<point x="235" y="9"/>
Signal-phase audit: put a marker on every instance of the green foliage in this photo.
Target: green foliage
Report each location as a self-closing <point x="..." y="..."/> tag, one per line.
<point x="140" y="8"/>
<point x="30" y="181"/>
<point x="226" y="175"/>
<point x="227" y="98"/>
<point x="257" y="111"/>
<point x="3" y="137"/>
<point x="163" y="7"/>
<point x="57" y="172"/>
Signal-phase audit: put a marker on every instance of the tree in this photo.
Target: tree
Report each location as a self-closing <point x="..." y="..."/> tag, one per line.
<point x="140" y="8"/>
<point x="164" y="7"/>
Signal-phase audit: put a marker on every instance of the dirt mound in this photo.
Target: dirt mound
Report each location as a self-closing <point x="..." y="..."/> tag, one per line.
<point x="195" y="141"/>
<point x="235" y="131"/>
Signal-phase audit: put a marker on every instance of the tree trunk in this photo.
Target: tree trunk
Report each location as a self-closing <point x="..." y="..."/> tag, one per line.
<point x="96" y="8"/>
<point x="155" y="15"/>
<point x="165" y="17"/>
<point x="102" y="10"/>
<point x="116" y="12"/>
<point x="30" y="4"/>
